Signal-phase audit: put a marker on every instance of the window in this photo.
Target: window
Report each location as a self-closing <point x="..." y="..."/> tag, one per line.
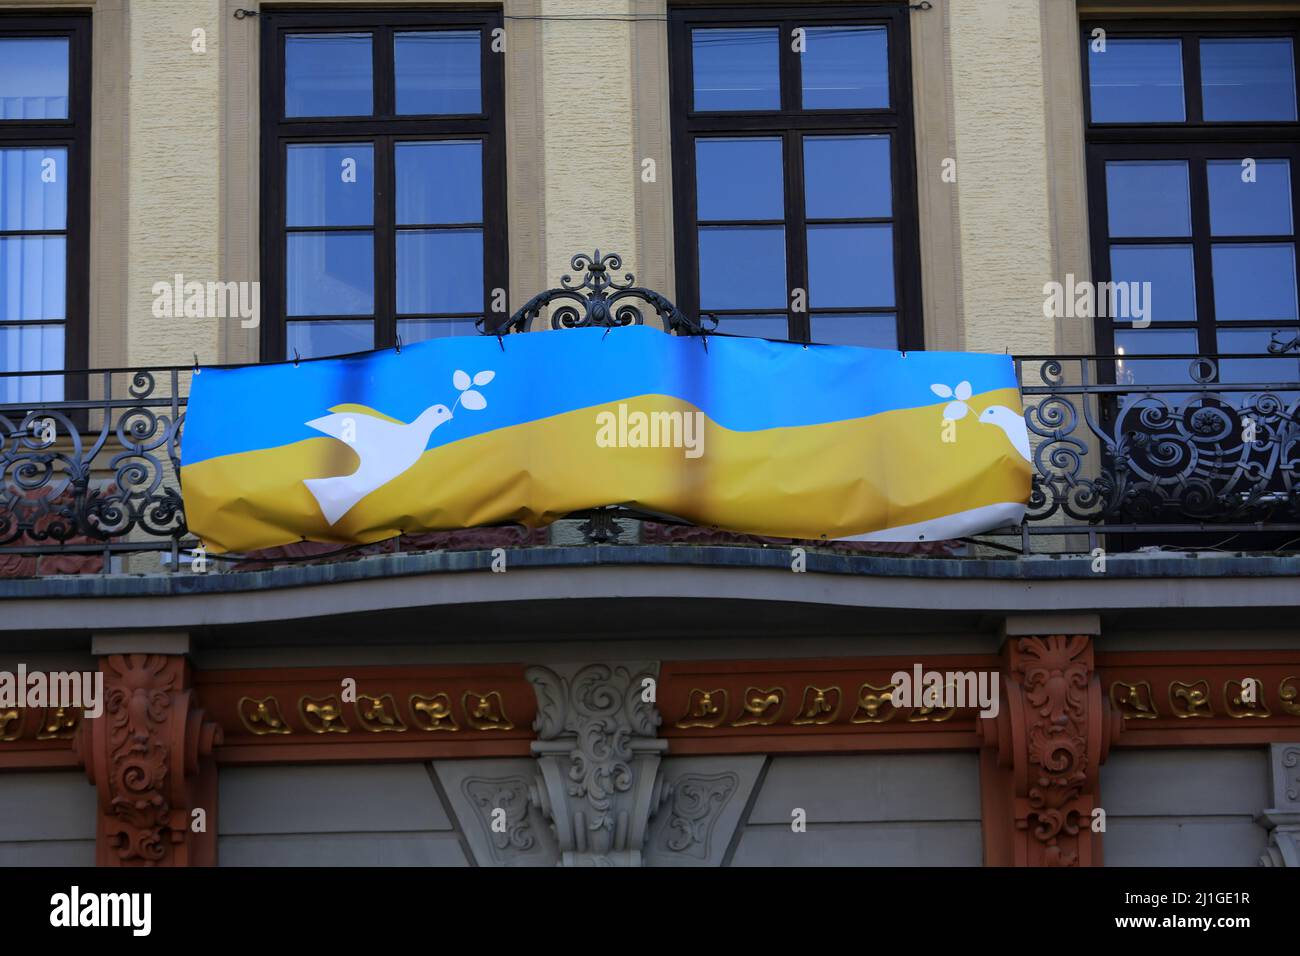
<point x="795" y="201"/>
<point x="1193" y="143"/>
<point x="44" y="196"/>
<point x="383" y="178"/>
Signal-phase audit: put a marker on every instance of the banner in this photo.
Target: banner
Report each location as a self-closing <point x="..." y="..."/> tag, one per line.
<point x="771" y="438"/>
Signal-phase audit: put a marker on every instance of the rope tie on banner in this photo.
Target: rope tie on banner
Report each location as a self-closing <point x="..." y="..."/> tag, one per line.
<point x="398" y="346"/>
<point x="296" y="357"/>
<point x="196" y="363"/>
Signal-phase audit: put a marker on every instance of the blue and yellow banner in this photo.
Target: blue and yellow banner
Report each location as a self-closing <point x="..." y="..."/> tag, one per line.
<point x="772" y="438"/>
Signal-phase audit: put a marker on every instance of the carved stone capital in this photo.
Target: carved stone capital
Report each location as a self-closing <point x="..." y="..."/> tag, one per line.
<point x="1053" y="731"/>
<point x="1283" y="818"/>
<point x="149" y="755"/>
<point x="599" y="760"/>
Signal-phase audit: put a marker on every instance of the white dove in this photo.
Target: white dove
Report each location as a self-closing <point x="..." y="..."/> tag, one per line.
<point x="1012" y="425"/>
<point x="386" y="447"/>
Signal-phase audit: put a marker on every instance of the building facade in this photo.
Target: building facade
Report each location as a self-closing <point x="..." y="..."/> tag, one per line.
<point x="1101" y="189"/>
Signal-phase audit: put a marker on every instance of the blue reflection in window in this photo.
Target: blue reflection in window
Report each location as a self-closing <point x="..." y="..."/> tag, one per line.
<point x="440" y="182"/>
<point x="438" y="72"/>
<point x="742" y="267"/>
<point x="31" y="348"/>
<point x="421" y="330"/>
<point x="330" y="273"/>
<point x="330" y="185"/>
<point x="28" y="198"/>
<point x="1254" y="281"/>
<point x="439" y="270"/>
<point x="845" y="68"/>
<point x="1148" y="198"/>
<point x="1171" y="273"/>
<point x="1264" y="370"/>
<point x="757" y="326"/>
<point x="1248" y="79"/>
<point x="33" y="277"/>
<point x="739" y="178"/>
<point x="851" y="265"/>
<point x="1258" y="208"/>
<point x="1137" y="81"/>
<point x="847" y="177"/>
<point x="33" y="78"/>
<point x="327" y="74"/>
<point x="872" y="330"/>
<point x="336" y="337"/>
<point x="1131" y="369"/>
<point x="736" y="69"/>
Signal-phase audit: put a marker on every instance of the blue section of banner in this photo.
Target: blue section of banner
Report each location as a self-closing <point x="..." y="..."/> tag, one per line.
<point x="246" y="409"/>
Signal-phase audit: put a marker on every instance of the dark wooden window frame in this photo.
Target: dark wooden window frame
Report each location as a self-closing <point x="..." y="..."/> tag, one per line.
<point x="1195" y="141"/>
<point x="72" y="133"/>
<point x="791" y="124"/>
<point x="385" y="128"/>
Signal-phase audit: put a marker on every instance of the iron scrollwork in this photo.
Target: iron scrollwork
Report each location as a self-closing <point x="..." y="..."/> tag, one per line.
<point x="601" y="300"/>
<point x="1201" y="452"/>
<point x="79" y="473"/>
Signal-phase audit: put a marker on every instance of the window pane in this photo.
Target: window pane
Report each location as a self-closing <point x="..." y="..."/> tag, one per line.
<point x="439" y="182"/>
<point x="440" y="270"/>
<point x="330" y="185"/>
<point x="1148" y="199"/>
<point x="1137" y="342"/>
<point x="845" y="68"/>
<point x="1137" y="81"/>
<point x="1258" y="208"/>
<point x="327" y="74"/>
<point x="331" y="273"/>
<point x="739" y="179"/>
<point x="736" y="69"/>
<point x="851" y="265"/>
<point x="438" y="72"/>
<point x="420" y="330"/>
<point x="847" y="177"/>
<point x="31" y="348"/>
<point x="1254" y="281"/>
<point x="742" y="267"/>
<point x="757" y="326"/>
<point x="34" y="78"/>
<point x="1248" y="79"/>
<point x="317" y="339"/>
<point x="1256" y="342"/>
<point x="33" y="280"/>
<point x="869" y="331"/>
<point x="1169" y="269"/>
<point x="34" y="188"/>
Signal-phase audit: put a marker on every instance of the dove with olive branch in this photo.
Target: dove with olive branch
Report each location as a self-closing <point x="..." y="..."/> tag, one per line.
<point x="387" y="447"/>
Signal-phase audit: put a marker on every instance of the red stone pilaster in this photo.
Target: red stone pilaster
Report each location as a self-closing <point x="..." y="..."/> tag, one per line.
<point x="1042" y="753"/>
<point x="149" y="755"/>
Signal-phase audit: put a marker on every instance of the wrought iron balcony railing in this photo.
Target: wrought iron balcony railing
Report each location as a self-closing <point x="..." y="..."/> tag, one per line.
<point x="1127" y="452"/>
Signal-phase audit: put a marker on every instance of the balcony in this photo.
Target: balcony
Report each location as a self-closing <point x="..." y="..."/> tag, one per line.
<point x="1129" y="455"/>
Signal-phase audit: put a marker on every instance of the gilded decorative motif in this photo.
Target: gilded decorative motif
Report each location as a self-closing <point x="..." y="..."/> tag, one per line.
<point x="1135" y="701"/>
<point x="875" y="704"/>
<point x="821" y="705"/>
<point x="1289" y="692"/>
<point x="485" y="711"/>
<point x="379" y="715"/>
<point x="59" y="723"/>
<point x="323" y="715"/>
<point x="760" y="708"/>
<point x="11" y="724"/>
<point x="1190" y="700"/>
<point x="433" y="713"/>
<point x="705" y="708"/>
<point x="1236" y="706"/>
<point x="262" y="716"/>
